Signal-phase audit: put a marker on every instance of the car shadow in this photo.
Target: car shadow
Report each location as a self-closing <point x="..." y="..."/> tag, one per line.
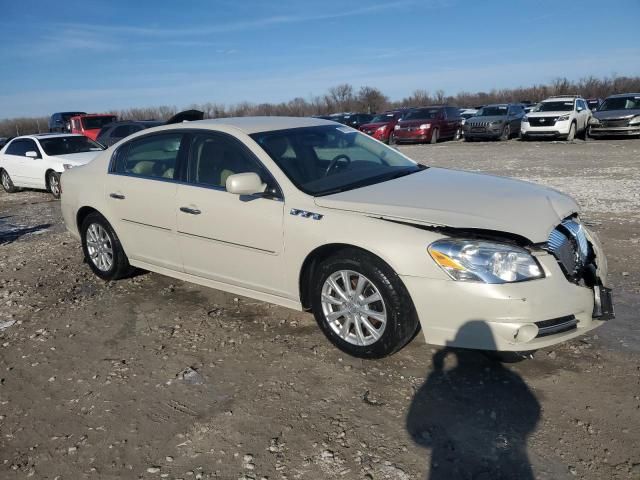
<point x="10" y="233"/>
<point x="474" y="415"/>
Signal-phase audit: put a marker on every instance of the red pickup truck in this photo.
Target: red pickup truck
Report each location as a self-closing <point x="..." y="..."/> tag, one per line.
<point x="90" y="124"/>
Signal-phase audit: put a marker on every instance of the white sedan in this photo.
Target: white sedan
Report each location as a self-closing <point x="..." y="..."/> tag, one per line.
<point x="36" y="161"/>
<point x="313" y="215"/>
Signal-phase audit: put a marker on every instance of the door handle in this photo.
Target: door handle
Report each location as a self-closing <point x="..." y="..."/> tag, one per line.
<point x="192" y="211"/>
<point x="117" y="196"/>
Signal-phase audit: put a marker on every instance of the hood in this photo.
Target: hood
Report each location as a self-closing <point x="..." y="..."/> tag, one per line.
<point x="416" y="122"/>
<point x="370" y="126"/>
<point x="616" y="114"/>
<point x="492" y="118"/>
<point x="441" y="197"/>
<point x="78" y="158"/>
<point x="548" y="114"/>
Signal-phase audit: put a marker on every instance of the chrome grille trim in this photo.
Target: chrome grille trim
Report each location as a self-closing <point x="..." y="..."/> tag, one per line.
<point x="568" y="243"/>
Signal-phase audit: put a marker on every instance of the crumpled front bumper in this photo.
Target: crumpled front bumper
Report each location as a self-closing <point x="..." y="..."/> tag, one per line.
<point x="506" y="317"/>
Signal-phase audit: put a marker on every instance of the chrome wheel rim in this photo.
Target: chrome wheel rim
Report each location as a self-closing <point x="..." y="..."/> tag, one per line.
<point x="353" y="307"/>
<point x="54" y="184"/>
<point x="6" y="183"/>
<point x="99" y="247"/>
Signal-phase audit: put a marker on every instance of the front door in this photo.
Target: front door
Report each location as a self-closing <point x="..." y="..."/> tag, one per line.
<point x="141" y="193"/>
<point x="225" y="237"/>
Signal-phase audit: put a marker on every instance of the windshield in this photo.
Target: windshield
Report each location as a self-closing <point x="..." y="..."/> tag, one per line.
<point x="423" y="113"/>
<point x="492" y="111"/>
<point x="91" y="123"/>
<point x="385" y="117"/>
<point x="621" y="103"/>
<point x="561" y="106"/>
<point x="328" y="159"/>
<point x="66" y="145"/>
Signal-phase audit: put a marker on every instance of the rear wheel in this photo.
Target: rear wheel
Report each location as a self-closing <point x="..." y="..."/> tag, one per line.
<point x="434" y="136"/>
<point x="362" y="306"/>
<point x="7" y="184"/>
<point x="53" y="183"/>
<point x="102" y="248"/>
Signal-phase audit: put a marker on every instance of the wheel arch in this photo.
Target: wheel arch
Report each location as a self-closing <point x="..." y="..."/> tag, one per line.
<point x="315" y="257"/>
<point x="82" y="213"/>
<point x="46" y="176"/>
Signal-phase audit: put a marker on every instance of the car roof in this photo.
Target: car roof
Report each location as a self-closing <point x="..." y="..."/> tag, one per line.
<point x="39" y="136"/>
<point x="618" y="95"/>
<point x="561" y="99"/>
<point x="251" y="125"/>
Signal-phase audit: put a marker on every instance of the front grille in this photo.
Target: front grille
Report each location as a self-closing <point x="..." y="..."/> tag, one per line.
<point x="542" y="121"/>
<point x="568" y="243"/>
<point x="615" y="123"/>
<point x="556" y="325"/>
<point x="480" y="124"/>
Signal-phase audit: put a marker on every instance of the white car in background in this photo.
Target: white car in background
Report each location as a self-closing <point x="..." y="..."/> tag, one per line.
<point x="313" y="215"/>
<point x="36" y="161"/>
<point x="557" y="117"/>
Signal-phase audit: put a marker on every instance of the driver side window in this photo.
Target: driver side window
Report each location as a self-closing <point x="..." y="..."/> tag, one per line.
<point x="213" y="158"/>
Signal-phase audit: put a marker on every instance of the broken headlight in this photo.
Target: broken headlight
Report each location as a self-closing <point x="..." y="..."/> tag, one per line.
<point x="484" y="261"/>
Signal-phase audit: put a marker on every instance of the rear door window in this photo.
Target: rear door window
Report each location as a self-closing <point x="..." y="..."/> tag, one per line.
<point x="155" y="156"/>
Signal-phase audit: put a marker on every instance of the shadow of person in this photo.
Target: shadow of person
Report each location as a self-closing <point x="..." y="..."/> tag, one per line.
<point x="474" y="415"/>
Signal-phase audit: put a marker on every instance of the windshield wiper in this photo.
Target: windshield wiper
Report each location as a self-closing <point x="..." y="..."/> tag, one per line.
<point x="371" y="181"/>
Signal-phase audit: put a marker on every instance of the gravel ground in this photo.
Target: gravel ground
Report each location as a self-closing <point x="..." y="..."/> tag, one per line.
<point x="151" y="377"/>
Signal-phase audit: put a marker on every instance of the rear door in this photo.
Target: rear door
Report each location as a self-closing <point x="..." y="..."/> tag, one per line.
<point x="224" y="237"/>
<point x="140" y="195"/>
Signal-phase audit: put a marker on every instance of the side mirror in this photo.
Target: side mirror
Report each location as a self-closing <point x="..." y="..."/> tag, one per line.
<point x="245" y="184"/>
<point x="31" y="154"/>
<point x="580" y="109"/>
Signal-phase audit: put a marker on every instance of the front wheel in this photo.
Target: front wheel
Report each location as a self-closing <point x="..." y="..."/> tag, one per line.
<point x="458" y="135"/>
<point x="102" y="248"/>
<point x="434" y="137"/>
<point x="362" y="306"/>
<point x="506" y="133"/>
<point x="572" y="133"/>
<point x="7" y="184"/>
<point x="53" y="182"/>
<point x="392" y="139"/>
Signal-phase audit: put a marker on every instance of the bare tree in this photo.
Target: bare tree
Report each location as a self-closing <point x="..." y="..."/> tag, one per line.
<point x="342" y="96"/>
<point x="371" y="100"/>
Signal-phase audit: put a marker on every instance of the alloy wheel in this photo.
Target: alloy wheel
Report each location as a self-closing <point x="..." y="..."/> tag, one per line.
<point x="6" y="181"/>
<point x="99" y="247"/>
<point x="54" y="184"/>
<point x="353" y="307"/>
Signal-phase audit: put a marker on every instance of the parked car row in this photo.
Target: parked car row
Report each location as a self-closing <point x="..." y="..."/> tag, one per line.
<point x="558" y="117"/>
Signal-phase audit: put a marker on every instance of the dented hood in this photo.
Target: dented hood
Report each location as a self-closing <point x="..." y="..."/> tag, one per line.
<point x="441" y="197"/>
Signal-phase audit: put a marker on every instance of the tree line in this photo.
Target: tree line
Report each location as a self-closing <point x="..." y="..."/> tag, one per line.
<point x="345" y="98"/>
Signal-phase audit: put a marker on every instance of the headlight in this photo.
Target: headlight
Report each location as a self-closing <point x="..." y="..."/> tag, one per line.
<point x="496" y="122"/>
<point x="525" y="119"/>
<point x="563" y="118"/>
<point x="425" y="126"/>
<point x="484" y="261"/>
<point x="67" y="166"/>
<point x="635" y="120"/>
<point x="381" y="129"/>
<point x="595" y="121"/>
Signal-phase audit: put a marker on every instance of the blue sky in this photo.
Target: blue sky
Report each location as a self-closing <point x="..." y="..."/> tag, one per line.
<point x="97" y="55"/>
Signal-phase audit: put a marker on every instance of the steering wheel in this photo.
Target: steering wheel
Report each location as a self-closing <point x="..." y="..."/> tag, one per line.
<point x="335" y="161"/>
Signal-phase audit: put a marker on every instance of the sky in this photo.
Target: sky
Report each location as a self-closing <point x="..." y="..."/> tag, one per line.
<point x="100" y="55"/>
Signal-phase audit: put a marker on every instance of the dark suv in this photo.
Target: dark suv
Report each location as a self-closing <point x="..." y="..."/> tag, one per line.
<point x="428" y="124"/>
<point x="501" y="121"/>
<point x="113" y="132"/>
<point x="61" y="121"/>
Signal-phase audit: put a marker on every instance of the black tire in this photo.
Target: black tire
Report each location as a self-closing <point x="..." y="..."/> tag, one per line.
<point x="506" y="133"/>
<point x="458" y="135"/>
<point x="392" y="139"/>
<point x="53" y="183"/>
<point x="572" y="133"/>
<point x="120" y="267"/>
<point x="584" y="133"/>
<point x="401" y="317"/>
<point x="7" y="183"/>
<point x="434" y="136"/>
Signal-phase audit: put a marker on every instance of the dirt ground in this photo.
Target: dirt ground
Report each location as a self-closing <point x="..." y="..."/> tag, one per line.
<point x="93" y="381"/>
